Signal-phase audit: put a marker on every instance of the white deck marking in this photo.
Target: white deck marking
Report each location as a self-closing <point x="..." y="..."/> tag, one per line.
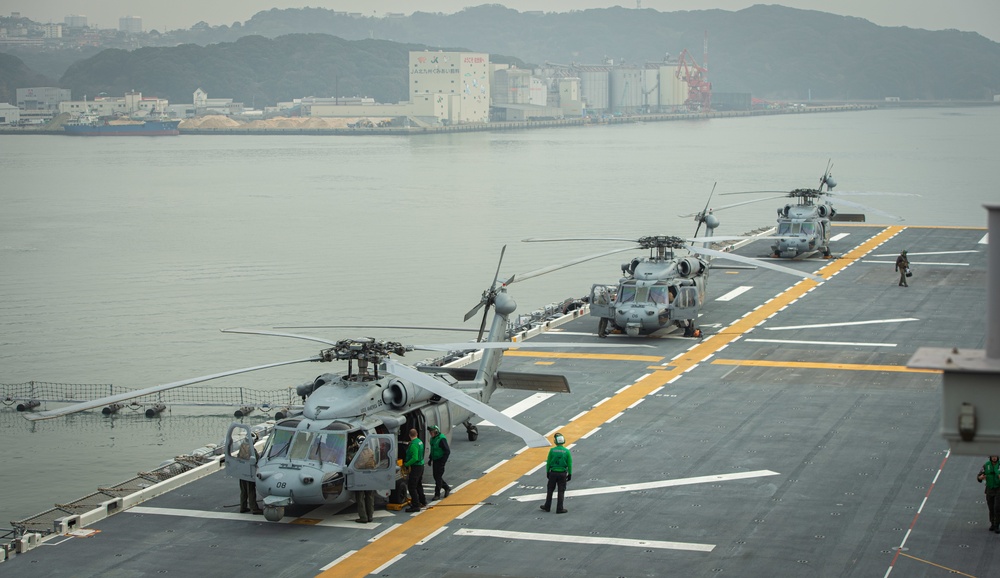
<point x="652" y="485"/>
<point x="521" y="406"/>
<point x="839" y="237"/>
<point x="347" y="555"/>
<point x="985" y="240"/>
<point x="328" y="520"/>
<point x="848" y="343"/>
<point x="389" y="563"/>
<point x="843" y="324"/>
<point x="919" y="263"/>
<point x="735" y="293"/>
<point x="432" y="535"/>
<point x="908" y="254"/>
<point x="468" y="512"/>
<point x="585" y="540"/>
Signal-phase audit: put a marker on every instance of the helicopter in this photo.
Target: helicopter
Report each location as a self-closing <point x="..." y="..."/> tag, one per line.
<point x="804" y="228"/>
<point x="661" y="290"/>
<point x="311" y="456"/>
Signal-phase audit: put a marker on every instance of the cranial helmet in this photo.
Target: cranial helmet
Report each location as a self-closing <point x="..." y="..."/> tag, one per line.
<point x="361" y="440"/>
<point x="434" y="428"/>
<point x="559" y="439"/>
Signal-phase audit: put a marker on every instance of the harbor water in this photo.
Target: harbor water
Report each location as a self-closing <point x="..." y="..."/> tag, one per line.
<point x="122" y="258"/>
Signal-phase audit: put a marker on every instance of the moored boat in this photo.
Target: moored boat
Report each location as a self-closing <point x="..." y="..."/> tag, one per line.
<point x="93" y="126"/>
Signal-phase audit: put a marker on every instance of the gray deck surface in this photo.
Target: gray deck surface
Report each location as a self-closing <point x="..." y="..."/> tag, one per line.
<point x="844" y="470"/>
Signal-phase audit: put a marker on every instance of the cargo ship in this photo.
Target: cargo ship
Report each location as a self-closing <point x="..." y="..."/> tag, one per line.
<point x="94" y="126"/>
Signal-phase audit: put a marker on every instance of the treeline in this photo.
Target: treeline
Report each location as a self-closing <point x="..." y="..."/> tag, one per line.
<point x="771" y="51"/>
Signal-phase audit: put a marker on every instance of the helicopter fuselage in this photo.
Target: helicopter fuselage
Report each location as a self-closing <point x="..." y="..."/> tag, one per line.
<point x="653" y="294"/>
<point x="312" y="458"/>
<point x="803" y="229"/>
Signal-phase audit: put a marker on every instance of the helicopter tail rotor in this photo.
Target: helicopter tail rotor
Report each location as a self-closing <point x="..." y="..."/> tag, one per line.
<point x="827" y="178"/>
<point x="489" y="297"/>
<point x="705" y="216"/>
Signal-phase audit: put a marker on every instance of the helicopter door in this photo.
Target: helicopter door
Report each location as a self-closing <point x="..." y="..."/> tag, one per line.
<point x="685" y="303"/>
<point x="601" y="300"/>
<point x="374" y="465"/>
<point x="241" y="455"/>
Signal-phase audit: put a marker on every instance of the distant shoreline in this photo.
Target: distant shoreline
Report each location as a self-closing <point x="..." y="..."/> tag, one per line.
<point x="522" y="125"/>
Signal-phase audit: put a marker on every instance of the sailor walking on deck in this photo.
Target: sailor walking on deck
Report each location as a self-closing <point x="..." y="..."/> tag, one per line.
<point x="990" y="473"/>
<point x="439" y="457"/>
<point x="902" y="267"/>
<point x="559" y="469"/>
<point x="415" y="480"/>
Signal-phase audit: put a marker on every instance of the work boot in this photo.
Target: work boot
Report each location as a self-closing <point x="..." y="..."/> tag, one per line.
<point x="545" y="508"/>
<point x="435" y="497"/>
<point x="561" y="511"/>
<point x="447" y="492"/>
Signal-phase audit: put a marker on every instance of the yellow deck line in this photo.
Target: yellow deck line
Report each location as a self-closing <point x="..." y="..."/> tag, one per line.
<point x="827" y="366"/>
<point x="409" y="533"/>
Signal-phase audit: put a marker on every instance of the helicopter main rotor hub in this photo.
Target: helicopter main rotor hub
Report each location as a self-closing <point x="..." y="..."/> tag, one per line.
<point x="661" y="242"/>
<point x="366" y="349"/>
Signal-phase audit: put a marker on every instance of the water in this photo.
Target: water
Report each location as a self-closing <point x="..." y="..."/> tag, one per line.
<point x="120" y="259"/>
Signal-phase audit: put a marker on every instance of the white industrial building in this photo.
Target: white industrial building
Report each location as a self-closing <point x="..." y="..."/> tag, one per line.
<point x="41" y="97"/>
<point x="444" y="87"/>
<point x="9" y="114"/>
<point x="452" y="86"/>
<point x="132" y="105"/>
<point x="130" y="24"/>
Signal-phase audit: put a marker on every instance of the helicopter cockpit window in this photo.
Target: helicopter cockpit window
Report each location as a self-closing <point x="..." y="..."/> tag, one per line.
<point x="808" y="228"/>
<point x="626" y="294"/>
<point x="642" y="294"/>
<point x="784" y="228"/>
<point x="658" y="294"/>
<point x="329" y="448"/>
<point x="796" y="228"/>
<point x="301" y="444"/>
<point x="277" y="444"/>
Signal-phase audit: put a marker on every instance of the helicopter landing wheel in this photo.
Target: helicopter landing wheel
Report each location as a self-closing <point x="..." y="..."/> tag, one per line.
<point x="473" y="432"/>
<point x="274" y="514"/>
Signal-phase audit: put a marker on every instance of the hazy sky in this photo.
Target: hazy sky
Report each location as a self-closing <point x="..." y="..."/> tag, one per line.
<point x="982" y="16"/>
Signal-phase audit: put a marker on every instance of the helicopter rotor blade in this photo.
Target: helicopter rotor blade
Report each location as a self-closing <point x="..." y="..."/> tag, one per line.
<point x="416" y="327"/>
<point x="278" y="334"/>
<point x="714" y="209"/>
<point x="551" y="239"/>
<point x="530" y="436"/>
<point x="482" y="324"/>
<point x="95" y="403"/>
<point x="475" y="309"/>
<point x="757" y="262"/>
<point x="551" y="268"/>
<point x="700" y="217"/>
<point x="867" y="208"/>
<point x="519" y="344"/>
<point x="489" y="295"/>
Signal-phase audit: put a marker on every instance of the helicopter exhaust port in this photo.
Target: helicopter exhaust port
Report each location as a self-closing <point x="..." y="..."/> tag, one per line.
<point x="398" y="395"/>
<point x="690" y="267"/>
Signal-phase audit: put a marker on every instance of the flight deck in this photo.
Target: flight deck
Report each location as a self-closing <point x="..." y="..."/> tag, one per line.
<point x="790" y="439"/>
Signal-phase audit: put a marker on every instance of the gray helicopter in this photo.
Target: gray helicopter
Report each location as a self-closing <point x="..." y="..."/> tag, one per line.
<point x="311" y="456"/>
<point x="804" y="227"/>
<point x="661" y="290"/>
